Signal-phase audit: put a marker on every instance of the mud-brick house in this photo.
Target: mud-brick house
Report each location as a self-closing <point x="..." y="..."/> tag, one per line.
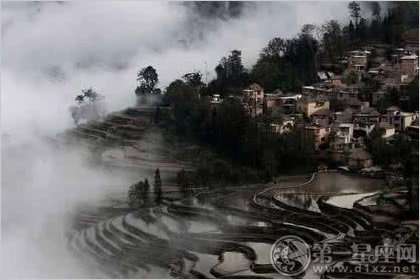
<point x="286" y="103"/>
<point x="388" y="129"/>
<point x="346" y="93"/>
<point x="310" y="105"/>
<point x="401" y="120"/>
<point x="356" y="104"/>
<point x="282" y="125"/>
<point x="358" y="60"/>
<point x="410" y="66"/>
<point x="321" y="117"/>
<point x="321" y="134"/>
<point x="272" y="100"/>
<point x="365" y="120"/>
<point x="341" y="135"/>
<point x="253" y="99"/>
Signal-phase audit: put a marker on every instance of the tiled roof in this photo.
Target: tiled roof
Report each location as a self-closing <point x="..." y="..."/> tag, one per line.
<point x="255" y="86"/>
<point x="322" y="112"/>
<point x="413" y="56"/>
<point x="393" y="108"/>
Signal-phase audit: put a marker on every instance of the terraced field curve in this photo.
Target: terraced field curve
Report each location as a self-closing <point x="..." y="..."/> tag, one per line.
<point x="218" y="233"/>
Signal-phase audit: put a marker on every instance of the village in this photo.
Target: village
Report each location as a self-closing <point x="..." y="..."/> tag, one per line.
<point x="210" y="140"/>
<point x="338" y="112"/>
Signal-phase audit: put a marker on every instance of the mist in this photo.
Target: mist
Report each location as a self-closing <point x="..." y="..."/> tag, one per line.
<point x="51" y="51"/>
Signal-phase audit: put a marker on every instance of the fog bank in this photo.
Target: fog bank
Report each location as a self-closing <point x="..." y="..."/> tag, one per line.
<point x="50" y="51"/>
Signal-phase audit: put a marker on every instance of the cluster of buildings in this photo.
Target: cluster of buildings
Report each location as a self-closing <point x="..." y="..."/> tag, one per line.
<point x="341" y="134"/>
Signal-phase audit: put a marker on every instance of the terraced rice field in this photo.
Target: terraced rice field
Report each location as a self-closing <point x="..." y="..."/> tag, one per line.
<point x="224" y="233"/>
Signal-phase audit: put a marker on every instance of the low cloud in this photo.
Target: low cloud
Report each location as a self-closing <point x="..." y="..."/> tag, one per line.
<point x="50" y="51"/>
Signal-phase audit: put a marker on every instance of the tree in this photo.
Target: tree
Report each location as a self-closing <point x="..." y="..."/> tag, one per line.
<point x="351" y="32"/>
<point x="351" y="78"/>
<point x="80" y="98"/>
<point x="145" y="190"/>
<point x="281" y="64"/>
<point x="87" y="106"/>
<point x="412" y="95"/>
<point x="376" y="10"/>
<point x="332" y="40"/>
<point x="294" y="148"/>
<point x="134" y="196"/>
<point x="362" y="29"/>
<point x="90" y="94"/>
<point x="303" y="52"/>
<point x="231" y="123"/>
<point x="354" y="9"/>
<point x="267" y="72"/>
<point x="193" y="79"/>
<point x="231" y="74"/>
<point x="158" y="187"/>
<point x="384" y="152"/>
<point x="269" y="161"/>
<point x="402" y="148"/>
<point x="183" y="100"/>
<point x="275" y="48"/>
<point x="148" y="79"/>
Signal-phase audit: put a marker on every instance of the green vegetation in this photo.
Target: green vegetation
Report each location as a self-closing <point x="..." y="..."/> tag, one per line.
<point x="138" y="194"/>
<point x="234" y="134"/>
<point x="148" y="80"/>
<point x="406" y="98"/>
<point x="397" y="151"/>
<point x="287" y="64"/>
<point x="284" y="64"/>
<point x="231" y="75"/>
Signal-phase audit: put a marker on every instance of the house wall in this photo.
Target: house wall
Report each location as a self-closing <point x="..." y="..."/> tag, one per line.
<point x="388" y="132"/>
<point x="409" y="67"/>
<point x="407" y="121"/>
<point x="272" y="103"/>
<point x="358" y="60"/>
<point x="308" y="108"/>
<point x="400" y="122"/>
<point x="254" y="100"/>
<point x="321" y="135"/>
<point x="283" y="127"/>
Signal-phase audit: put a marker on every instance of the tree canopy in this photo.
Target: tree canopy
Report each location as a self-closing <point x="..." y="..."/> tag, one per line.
<point x="87" y="107"/>
<point x="148" y="80"/>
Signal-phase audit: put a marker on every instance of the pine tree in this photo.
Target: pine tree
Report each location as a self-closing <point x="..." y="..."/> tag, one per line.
<point x="158" y="187"/>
